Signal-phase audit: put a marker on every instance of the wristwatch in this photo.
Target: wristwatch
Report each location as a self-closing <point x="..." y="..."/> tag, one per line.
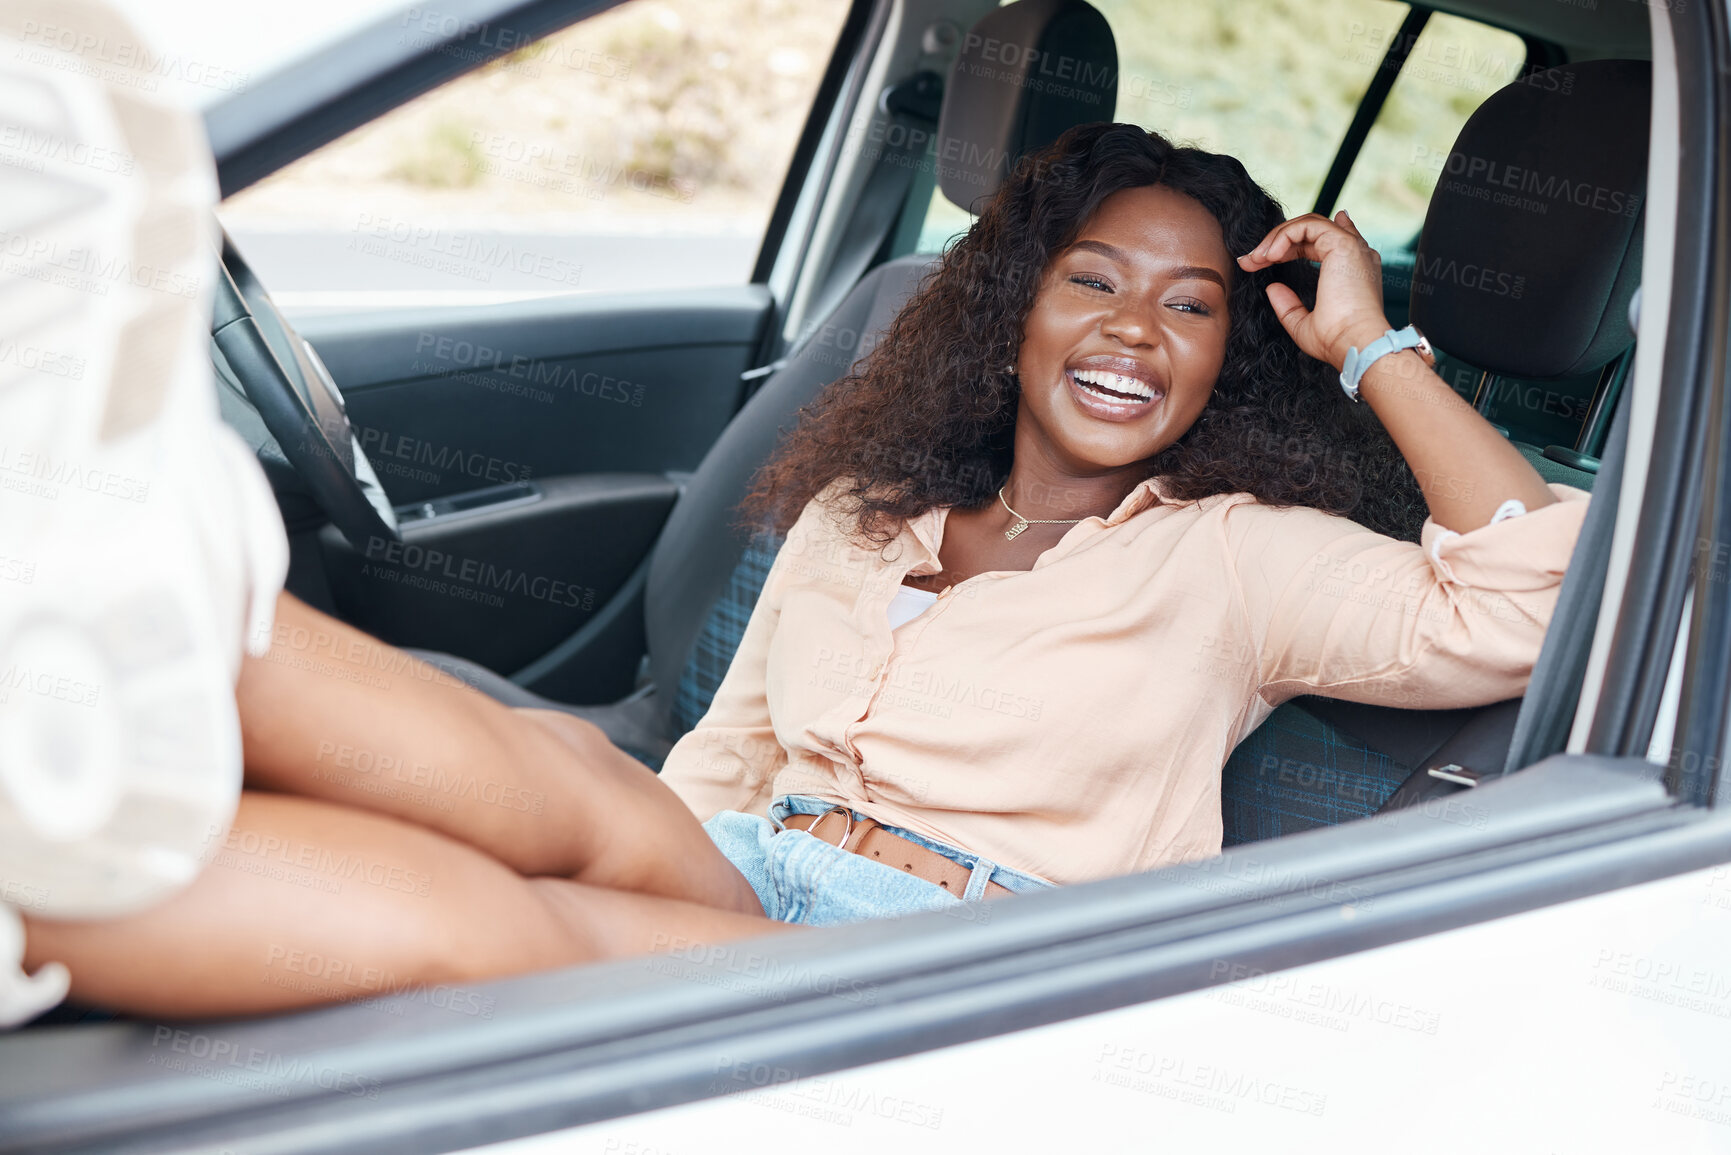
<point x="1393" y="341"/>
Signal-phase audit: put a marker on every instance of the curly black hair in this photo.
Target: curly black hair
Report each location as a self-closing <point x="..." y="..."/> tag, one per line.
<point x="927" y="418"/>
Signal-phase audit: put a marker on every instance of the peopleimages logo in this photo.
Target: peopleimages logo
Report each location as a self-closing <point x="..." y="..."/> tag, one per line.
<point x="472" y="573"/>
<point x="1531" y="189"/>
<point x="1039" y="61"/>
<point x="127" y="62"/>
<point x="26" y="143"/>
<point x="473" y="255"/>
<point x="225" y="1060"/>
<point x="1467" y="275"/>
<point x="449" y="356"/>
<point x="441" y="459"/>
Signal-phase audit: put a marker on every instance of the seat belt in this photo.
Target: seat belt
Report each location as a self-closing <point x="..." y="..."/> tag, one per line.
<point x="912" y="106"/>
<point x="1466" y="759"/>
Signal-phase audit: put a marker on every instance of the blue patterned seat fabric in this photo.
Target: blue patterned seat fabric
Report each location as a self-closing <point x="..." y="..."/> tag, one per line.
<point x="1295" y="772"/>
<point x="713" y="651"/>
<point x="1292" y="773"/>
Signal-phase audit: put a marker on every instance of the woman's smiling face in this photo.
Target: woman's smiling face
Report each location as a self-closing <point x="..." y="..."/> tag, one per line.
<point x="1127" y="333"/>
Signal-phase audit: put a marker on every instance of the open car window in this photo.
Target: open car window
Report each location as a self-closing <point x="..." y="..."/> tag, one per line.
<point x="640" y="149"/>
<point x="1450" y="69"/>
<point x="1282" y="100"/>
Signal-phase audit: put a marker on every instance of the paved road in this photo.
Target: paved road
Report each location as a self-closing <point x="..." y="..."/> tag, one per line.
<point x="324" y="267"/>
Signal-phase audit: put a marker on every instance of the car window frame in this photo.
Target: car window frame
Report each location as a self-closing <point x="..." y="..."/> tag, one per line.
<point x="856" y="26"/>
<point x="639" y="1037"/>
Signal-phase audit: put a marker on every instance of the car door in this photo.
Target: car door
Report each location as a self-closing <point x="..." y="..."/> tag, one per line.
<point x="1533" y="962"/>
<point x="540" y="287"/>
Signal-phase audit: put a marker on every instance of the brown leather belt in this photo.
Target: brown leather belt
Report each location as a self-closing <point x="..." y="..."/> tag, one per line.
<point x="868" y="839"/>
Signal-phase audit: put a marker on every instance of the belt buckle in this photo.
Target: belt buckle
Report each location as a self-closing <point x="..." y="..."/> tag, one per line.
<point x="847" y="831"/>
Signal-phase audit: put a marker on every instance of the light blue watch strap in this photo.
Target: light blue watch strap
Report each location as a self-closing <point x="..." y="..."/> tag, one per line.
<point x="1357" y="360"/>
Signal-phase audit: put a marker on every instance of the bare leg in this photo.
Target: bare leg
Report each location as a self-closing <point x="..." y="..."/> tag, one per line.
<point x="311" y="903"/>
<point x="335" y="714"/>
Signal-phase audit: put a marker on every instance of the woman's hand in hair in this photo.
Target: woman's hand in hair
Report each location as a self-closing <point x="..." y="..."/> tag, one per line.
<point x="1466" y="468"/>
<point x="1348" y="309"/>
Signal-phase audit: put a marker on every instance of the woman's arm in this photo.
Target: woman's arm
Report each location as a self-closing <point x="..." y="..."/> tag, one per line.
<point x="1465" y="467"/>
<point x="1455" y="620"/>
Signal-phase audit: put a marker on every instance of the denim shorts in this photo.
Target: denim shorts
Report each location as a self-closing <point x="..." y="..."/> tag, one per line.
<point x="802" y="879"/>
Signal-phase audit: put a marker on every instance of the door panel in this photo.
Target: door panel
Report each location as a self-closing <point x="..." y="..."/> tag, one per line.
<point x="504" y="583"/>
<point x="574" y="409"/>
<point x="447" y="400"/>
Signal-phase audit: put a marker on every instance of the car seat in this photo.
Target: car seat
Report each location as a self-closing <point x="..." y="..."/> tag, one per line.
<point x="704" y="573"/>
<point x="1530" y="254"/>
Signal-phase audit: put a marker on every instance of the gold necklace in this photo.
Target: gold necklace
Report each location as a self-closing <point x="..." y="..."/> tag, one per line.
<point x="1023" y="522"/>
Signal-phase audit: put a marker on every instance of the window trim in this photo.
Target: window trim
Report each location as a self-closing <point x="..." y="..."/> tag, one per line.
<point x="577" y="1046"/>
<point x="1702" y="207"/>
<point x="1539" y="54"/>
<point x="1370" y="107"/>
<point x="825" y="105"/>
<point x="1645" y="589"/>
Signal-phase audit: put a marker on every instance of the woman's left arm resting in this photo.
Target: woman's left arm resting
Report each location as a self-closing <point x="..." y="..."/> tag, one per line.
<point x="1337" y="609"/>
<point x="1466" y="469"/>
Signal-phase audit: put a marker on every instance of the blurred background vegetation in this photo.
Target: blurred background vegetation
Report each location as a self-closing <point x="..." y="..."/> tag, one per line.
<point x="682" y="114"/>
<point x="685" y="111"/>
<point x="1275" y="83"/>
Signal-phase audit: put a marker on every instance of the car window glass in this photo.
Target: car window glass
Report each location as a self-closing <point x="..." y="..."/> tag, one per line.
<point x="640" y="149"/>
<point x="1454" y="65"/>
<point x="1272" y="82"/>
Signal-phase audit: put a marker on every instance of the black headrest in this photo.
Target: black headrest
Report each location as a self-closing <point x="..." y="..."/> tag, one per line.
<point x="1026" y="72"/>
<point x="1532" y="245"/>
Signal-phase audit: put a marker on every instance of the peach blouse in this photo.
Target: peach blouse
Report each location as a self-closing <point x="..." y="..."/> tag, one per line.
<point x="1071" y="720"/>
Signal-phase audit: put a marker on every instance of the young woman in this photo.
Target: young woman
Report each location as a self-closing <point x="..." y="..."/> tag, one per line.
<point x="1104" y="461"/>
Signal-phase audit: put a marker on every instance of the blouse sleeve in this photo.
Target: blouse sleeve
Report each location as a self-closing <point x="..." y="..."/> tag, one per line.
<point x="1456" y="620"/>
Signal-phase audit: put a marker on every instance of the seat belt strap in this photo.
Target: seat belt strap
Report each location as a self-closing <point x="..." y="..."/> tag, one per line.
<point x="913" y="107"/>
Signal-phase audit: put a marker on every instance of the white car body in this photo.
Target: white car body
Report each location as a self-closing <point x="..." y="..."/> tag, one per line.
<point x="1594" y="1026"/>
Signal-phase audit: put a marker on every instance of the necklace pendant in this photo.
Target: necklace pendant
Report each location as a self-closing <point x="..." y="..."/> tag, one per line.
<point x="1010" y="534"/>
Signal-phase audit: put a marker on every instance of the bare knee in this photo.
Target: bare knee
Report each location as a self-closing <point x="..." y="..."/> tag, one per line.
<point x="604" y="764"/>
<point x="584" y="737"/>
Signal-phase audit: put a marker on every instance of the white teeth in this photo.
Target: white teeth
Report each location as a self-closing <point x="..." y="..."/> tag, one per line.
<point x="1116" y="382"/>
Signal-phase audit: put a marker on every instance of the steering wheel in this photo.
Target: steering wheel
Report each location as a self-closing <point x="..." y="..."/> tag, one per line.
<point x="299" y="404"/>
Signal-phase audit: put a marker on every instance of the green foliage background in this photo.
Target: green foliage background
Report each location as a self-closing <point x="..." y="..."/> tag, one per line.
<point x="1275" y="83"/>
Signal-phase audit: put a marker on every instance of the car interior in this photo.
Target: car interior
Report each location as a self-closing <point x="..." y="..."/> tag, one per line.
<point x="664" y="404"/>
<point x="676" y="581"/>
<point x="536" y="494"/>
